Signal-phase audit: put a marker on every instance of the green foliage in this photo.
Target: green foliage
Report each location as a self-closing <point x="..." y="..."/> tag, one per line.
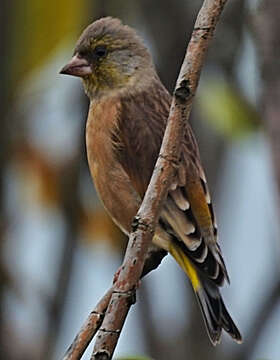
<point x="226" y="110"/>
<point x="38" y="28"/>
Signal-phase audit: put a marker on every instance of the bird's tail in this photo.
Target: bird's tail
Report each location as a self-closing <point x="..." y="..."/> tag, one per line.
<point x="214" y="312"/>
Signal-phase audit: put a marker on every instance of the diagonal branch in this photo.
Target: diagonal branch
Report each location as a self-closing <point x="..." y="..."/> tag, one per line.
<point x="89" y="329"/>
<point x="143" y="226"/>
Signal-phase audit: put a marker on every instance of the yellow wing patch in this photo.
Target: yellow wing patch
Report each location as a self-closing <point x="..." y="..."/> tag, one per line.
<point x="186" y="265"/>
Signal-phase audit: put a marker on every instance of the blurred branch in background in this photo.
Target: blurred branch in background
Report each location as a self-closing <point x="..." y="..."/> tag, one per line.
<point x="68" y="186"/>
<point x="169" y="41"/>
<point x="5" y="89"/>
<point x="32" y="40"/>
<point x="265" y="27"/>
<point x="259" y="323"/>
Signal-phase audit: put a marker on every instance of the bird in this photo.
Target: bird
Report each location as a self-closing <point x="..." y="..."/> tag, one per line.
<point x="128" y="112"/>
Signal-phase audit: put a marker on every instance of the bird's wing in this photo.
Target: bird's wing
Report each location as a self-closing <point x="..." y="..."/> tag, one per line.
<point x="188" y="215"/>
<point x="187" y="226"/>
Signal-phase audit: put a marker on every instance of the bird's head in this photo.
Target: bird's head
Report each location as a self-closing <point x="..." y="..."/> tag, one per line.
<point x="109" y="57"/>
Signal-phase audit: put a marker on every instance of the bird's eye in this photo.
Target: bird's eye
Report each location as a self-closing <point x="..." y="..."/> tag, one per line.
<point x="100" y="51"/>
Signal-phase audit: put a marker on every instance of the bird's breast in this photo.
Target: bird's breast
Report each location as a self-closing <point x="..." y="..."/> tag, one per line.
<point x="111" y="182"/>
<point x="101" y="120"/>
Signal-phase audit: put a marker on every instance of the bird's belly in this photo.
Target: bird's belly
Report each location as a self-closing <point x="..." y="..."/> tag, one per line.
<point x="118" y="198"/>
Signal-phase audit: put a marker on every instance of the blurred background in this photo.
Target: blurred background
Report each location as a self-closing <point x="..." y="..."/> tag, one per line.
<point x="59" y="250"/>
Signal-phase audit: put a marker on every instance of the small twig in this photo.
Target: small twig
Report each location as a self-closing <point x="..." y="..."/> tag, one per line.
<point x="89" y="329"/>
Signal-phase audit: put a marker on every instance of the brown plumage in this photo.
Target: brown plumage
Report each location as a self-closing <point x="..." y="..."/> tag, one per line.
<point x="126" y="121"/>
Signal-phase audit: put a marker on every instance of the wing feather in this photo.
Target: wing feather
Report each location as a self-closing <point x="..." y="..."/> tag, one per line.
<point x="189" y="217"/>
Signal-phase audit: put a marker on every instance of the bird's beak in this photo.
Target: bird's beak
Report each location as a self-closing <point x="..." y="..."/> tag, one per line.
<point x="77" y="66"/>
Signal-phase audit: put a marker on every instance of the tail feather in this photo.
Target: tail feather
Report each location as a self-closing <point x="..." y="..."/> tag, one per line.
<point x="213" y="328"/>
<point x="215" y="314"/>
<point x="229" y="325"/>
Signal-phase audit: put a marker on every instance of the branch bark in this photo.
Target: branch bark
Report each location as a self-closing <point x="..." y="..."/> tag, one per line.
<point x="143" y="226"/>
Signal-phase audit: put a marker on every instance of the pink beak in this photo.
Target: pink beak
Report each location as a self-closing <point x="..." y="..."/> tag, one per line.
<point x="77" y="66"/>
